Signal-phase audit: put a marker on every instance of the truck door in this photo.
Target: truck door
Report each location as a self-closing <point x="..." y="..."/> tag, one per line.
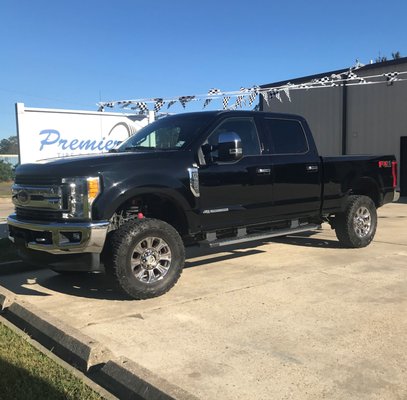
<point x="296" y="167"/>
<point x="235" y="193"/>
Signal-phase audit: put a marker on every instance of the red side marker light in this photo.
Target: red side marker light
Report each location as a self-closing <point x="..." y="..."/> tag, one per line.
<point x="394" y="173"/>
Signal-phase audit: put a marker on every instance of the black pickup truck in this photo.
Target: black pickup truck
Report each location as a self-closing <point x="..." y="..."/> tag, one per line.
<point x="209" y="178"/>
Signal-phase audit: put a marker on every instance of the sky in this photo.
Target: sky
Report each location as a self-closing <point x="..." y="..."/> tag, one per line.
<point x="71" y="54"/>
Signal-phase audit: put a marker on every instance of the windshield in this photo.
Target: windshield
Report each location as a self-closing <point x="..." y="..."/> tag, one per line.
<point x="168" y="133"/>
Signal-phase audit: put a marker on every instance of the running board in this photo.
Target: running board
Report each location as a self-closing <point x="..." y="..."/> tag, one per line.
<point x="258" y="236"/>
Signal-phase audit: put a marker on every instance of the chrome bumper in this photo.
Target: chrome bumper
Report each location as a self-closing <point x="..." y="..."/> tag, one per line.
<point x="57" y="237"/>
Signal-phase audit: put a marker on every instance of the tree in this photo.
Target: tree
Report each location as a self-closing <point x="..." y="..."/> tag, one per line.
<point x="9" y="146"/>
<point x="381" y="59"/>
<point x="396" y="55"/>
<point x="6" y="171"/>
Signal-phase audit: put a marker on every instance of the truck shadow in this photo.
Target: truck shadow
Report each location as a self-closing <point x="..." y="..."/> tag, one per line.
<point x="99" y="286"/>
<point x="308" y="241"/>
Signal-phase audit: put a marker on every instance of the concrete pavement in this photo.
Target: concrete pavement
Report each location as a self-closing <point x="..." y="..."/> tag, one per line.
<point x="6" y="208"/>
<point x="293" y="318"/>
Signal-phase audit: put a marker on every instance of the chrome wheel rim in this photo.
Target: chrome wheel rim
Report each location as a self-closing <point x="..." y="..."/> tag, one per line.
<point x="151" y="259"/>
<point x="362" y="222"/>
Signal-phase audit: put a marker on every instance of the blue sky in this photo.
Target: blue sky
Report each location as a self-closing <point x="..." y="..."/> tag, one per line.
<point x="69" y="54"/>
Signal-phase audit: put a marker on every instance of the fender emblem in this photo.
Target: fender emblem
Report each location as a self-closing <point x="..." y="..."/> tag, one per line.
<point x="194" y="181"/>
<point x="23" y="197"/>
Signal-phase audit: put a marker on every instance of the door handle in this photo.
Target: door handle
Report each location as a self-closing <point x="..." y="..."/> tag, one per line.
<point x="312" y="168"/>
<point x="263" y="171"/>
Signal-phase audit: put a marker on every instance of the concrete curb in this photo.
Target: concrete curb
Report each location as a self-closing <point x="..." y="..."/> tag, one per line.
<point x="66" y="342"/>
<point x="121" y="376"/>
<point x="6" y="298"/>
<point x="127" y="379"/>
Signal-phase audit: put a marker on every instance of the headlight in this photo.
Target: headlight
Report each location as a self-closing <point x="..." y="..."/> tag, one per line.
<point x="81" y="193"/>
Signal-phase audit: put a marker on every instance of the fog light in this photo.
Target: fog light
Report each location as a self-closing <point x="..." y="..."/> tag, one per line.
<point x="76" y="237"/>
<point x="70" y="237"/>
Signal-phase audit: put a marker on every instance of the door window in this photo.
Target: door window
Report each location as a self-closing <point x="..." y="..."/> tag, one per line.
<point x="286" y="136"/>
<point x="245" y="128"/>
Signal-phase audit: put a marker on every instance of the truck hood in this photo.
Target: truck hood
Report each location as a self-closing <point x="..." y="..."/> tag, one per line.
<point x="91" y="164"/>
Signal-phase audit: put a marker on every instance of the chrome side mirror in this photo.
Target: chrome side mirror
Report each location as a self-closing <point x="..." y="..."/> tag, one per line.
<point x="229" y="146"/>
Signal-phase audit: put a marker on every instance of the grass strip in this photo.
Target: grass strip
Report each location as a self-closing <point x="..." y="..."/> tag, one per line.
<point x="5" y="189"/>
<point x="26" y="373"/>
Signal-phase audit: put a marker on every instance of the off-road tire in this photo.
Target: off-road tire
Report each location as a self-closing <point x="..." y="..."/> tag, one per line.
<point x="120" y="254"/>
<point x="348" y="232"/>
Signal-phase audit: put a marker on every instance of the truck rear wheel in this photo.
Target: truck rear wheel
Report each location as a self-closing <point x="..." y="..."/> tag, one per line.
<point x="356" y="226"/>
<point x="145" y="257"/>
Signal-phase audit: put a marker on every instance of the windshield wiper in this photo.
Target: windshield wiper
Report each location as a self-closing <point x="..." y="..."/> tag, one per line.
<point x="139" y="148"/>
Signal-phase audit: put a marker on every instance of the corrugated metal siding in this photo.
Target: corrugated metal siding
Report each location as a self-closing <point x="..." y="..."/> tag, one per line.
<point x="377" y="114"/>
<point x="322" y="108"/>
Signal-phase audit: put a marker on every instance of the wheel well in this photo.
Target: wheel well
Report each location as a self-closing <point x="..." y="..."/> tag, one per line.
<point x="366" y="187"/>
<point x="159" y="207"/>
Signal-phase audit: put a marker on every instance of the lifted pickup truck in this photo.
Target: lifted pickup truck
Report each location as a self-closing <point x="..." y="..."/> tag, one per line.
<point x="209" y="178"/>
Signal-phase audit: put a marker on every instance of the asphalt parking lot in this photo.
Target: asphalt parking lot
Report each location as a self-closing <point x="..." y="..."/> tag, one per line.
<point x="293" y="318"/>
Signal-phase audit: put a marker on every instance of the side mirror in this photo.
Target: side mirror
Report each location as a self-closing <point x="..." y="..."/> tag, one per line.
<point x="229" y="146"/>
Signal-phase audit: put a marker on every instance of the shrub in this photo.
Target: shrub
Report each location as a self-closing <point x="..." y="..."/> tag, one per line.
<point x="6" y="171"/>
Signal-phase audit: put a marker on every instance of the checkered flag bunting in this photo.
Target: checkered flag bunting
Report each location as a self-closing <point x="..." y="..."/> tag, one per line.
<point x="158" y="104"/>
<point x="266" y="97"/>
<point x="351" y="75"/>
<point x="286" y="90"/>
<point x="245" y="97"/>
<point x="142" y="106"/>
<point x="239" y="101"/>
<point x="206" y="103"/>
<point x="185" y="99"/>
<point x="252" y="97"/>
<point x="323" y="80"/>
<point x="212" y="92"/>
<point x="391" y="77"/>
<point x="225" y="102"/>
<point x="171" y="103"/>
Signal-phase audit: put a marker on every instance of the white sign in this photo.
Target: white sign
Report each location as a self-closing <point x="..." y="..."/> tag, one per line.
<point x="47" y="133"/>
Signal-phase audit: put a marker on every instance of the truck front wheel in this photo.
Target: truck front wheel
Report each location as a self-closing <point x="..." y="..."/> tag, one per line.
<point x="356" y="226"/>
<point x="145" y="257"/>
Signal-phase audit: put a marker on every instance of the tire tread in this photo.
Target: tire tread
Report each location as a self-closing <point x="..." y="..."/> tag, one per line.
<point x="117" y="252"/>
<point x="344" y="222"/>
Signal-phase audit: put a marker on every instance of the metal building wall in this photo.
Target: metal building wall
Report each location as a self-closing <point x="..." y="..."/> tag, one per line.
<point x="322" y="108"/>
<point x="376" y="114"/>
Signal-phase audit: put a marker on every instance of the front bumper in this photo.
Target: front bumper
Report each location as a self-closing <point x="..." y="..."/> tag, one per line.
<point x="59" y="237"/>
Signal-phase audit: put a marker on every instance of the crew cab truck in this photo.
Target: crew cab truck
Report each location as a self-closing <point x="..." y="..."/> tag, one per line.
<point x="208" y="178"/>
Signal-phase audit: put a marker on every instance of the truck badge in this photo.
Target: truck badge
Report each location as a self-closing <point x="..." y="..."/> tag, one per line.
<point x="194" y="181"/>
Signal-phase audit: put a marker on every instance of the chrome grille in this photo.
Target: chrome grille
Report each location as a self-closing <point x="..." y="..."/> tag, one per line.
<point x="37" y="180"/>
<point x="38" y="197"/>
<point x="35" y="215"/>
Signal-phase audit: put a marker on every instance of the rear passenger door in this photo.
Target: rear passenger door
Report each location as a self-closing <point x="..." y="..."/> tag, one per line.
<point x="296" y="167"/>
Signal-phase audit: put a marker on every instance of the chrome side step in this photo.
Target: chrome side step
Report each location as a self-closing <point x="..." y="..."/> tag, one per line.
<point x="213" y="242"/>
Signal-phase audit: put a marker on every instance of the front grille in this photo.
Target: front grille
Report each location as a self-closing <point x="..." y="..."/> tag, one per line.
<point x="37" y="180"/>
<point x="38" y="215"/>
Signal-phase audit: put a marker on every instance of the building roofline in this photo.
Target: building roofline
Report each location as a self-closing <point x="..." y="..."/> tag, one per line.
<point x="309" y="78"/>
